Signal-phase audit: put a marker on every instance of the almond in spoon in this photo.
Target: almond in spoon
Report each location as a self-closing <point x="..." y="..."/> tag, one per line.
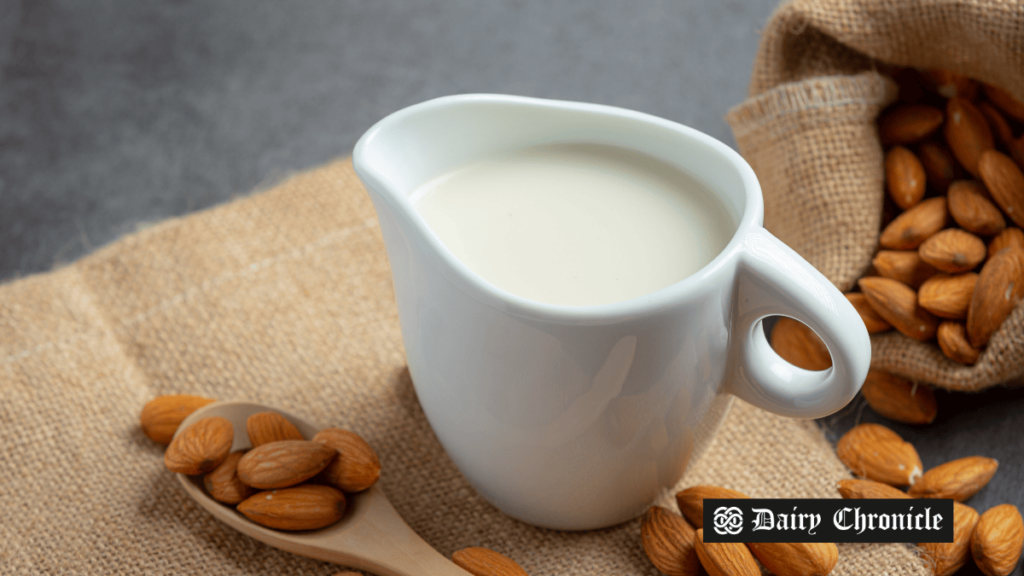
<point x="201" y="447"/>
<point x="306" y="507"/>
<point x="284" y="463"/>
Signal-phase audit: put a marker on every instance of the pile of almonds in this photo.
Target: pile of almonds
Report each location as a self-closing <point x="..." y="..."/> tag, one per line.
<point x="303" y="482"/>
<point x="283" y="481"/>
<point x="951" y="260"/>
<point x="675" y="544"/>
<point x="886" y="463"/>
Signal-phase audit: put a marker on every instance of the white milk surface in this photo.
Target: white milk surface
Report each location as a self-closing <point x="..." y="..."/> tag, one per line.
<point x="576" y="224"/>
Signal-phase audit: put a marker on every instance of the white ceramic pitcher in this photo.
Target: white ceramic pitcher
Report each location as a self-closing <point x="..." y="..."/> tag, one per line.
<point x="576" y="417"/>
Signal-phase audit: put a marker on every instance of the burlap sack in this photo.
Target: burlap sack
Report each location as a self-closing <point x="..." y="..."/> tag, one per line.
<point x="808" y="130"/>
<point x="283" y="298"/>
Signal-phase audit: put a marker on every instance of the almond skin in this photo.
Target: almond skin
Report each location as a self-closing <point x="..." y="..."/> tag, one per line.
<point x="945" y="558"/>
<point x="356" y="468"/>
<point x="1000" y="128"/>
<point x="807" y="559"/>
<point x="267" y="427"/>
<point x="162" y="415"/>
<point x="948" y="296"/>
<point x="860" y="489"/>
<point x="899" y="399"/>
<point x="1005" y="182"/>
<point x="940" y="168"/>
<point x="284" y="463"/>
<point x="669" y="542"/>
<point x="726" y="559"/>
<point x="306" y="507"/>
<point x="952" y="337"/>
<point x="872" y="321"/>
<point x="1009" y="238"/>
<point x="1000" y="286"/>
<point x="201" y="447"/>
<point x="908" y="123"/>
<point x="971" y="209"/>
<point x="908" y="230"/>
<point x="799" y="345"/>
<point x="1005" y="102"/>
<point x="959" y="479"/>
<point x="486" y="562"/>
<point x="691" y="501"/>
<point x="967" y="133"/>
<point x="953" y="251"/>
<point x="903" y="266"/>
<point x="897" y="303"/>
<point x="877" y="453"/>
<point x="904" y="177"/>
<point x="997" y="540"/>
<point x="222" y="482"/>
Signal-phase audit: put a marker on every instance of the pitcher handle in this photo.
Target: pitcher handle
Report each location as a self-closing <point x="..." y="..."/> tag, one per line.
<point x="773" y="280"/>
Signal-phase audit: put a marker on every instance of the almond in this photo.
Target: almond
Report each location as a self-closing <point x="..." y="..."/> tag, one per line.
<point x="940" y="168"/>
<point x="1005" y="182"/>
<point x="162" y="415"/>
<point x="899" y="399"/>
<point x="997" y="540"/>
<point x="1000" y="128"/>
<point x="950" y="84"/>
<point x="897" y="303"/>
<point x="904" y="177"/>
<point x="1009" y="238"/>
<point x="872" y="321"/>
<point x="669" y="542"/>
<point x="903" y="266"/>
<point x="1005" y="102"/>
<point x="908" y="230"/>
<point x="952" y="337"/>
<point x="959" y="479"/>
<point x="970" y="207"/>
<point x="807" y="559"/>
<point x="908" y="123"/>
<point x="967" y="133"/>
<point x="222" y="482"/>
<point x="945" y="558"/>
<point x="691" y="501"/>
<point x="486" y="562"/>
<point x="799" y="345"/>
<point x="267" y="427"/>
<point x="284" y="463"/>
<point x="1016" y="149"/>
<point x="726" y="559"/>
<point x="860" y="489"/>
<point x="948" y="296"/>
<point x="953" y="251"/>
<point x="356" y="468"/>
<point x="305" y="507"/>
<point x="1000" y="286"/>
<point x="877" y="453"/>
<point x="201" y="447"/>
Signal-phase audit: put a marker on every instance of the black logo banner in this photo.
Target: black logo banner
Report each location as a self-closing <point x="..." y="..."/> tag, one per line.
<point x="827" y="520"/>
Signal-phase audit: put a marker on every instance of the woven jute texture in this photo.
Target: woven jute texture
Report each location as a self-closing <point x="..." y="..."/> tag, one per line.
<point x="283" y="298"/>
<point x="808" y="130"/>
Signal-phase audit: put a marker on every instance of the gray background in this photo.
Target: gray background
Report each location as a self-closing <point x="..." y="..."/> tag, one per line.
<point x="114" y="113"/>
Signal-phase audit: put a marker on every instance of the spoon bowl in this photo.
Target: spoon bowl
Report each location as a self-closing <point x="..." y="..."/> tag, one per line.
<point x="371" y="536"/>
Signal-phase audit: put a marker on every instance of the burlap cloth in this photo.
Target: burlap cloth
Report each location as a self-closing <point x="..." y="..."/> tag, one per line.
<point x="808" y="130"/>
<point x="284" y="298"/>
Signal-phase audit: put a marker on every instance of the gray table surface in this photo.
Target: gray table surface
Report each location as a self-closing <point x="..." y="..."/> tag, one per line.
<point x="115" y="113"/>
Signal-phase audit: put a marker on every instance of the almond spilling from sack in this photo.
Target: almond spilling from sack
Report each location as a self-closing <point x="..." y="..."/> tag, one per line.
<point x="796" y="559"/>
<point x="877" y="453"/>
<point x="669" y="542"/>
<point x="726" y="558"/>
<point x="486" y="562"/>
<point x="691" y="501"/>
<point x="959" y="479"/>
<point x="799" y="345"/>
<point x="860" y="489"/>
<point x="899" y="399"/>
<point x="945" y="558"/>
<point x="997" y="540"/>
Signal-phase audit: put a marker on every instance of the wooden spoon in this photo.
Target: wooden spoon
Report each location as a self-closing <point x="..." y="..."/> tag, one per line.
<point x="371" y="536"/>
